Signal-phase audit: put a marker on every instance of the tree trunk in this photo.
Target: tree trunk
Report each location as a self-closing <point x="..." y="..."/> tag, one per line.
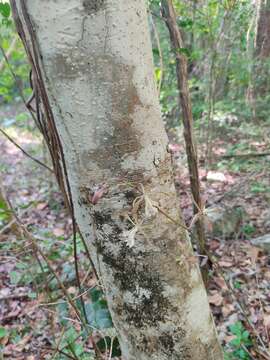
<point x="96" y="63"/>
<point x="261" y="70"/>
<point x="177" y="44"/>
<point x="262" y="49"/>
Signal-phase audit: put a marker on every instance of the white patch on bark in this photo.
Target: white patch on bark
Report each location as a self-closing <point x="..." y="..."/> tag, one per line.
<point x="129" y="236"/>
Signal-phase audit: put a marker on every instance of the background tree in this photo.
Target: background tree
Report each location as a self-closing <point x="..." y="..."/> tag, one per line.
<point x="262" y="49"/>
<point x="261" y="59"/>
<point x="177" y="44"/>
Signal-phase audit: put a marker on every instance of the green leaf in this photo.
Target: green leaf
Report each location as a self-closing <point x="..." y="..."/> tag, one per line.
<point x="185" y="23"/>
<point x="243" y="354"/>
<point x="236" y="342"/>
<point x="158" y="73"/>
<point x="5" y="10"/>
<point x="237" y="285"/>
<point x="15" y="277"/>
<point x="78" y="348"/>
<point x="184" y="51"/>
<point x="7" y="22"/>
<point x="3" y="332"/>
<point x="237" y="328"/>
<point x="98" y="315"/>
<point x="71" y="335"/>
<point x="103" y="319"/>
<point x="105" y="343"/>
<point x="245" y="334"/>
<point x="3" y="205"/>
<point x="63" y="312"/>
<point x="95" y="294"/>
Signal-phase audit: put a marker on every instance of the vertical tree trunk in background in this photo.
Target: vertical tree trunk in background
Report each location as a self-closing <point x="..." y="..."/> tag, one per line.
<point x="262" y="49"/>
<point x="261" y="82"/>
<point x="169" y="15"/>
<point x="96" y="61"/>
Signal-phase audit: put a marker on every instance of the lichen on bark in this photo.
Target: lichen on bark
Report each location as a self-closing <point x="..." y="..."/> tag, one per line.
<point x="93" y="6"/>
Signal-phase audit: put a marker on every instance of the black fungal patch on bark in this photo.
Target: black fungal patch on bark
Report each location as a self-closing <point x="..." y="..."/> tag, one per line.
<point x="172" y="344"/>
<point x="114" y="237"/>
<point x="93" y="6"/>
<point x="133" y="273"/>
<point x="167" y="343"/>
<point x="101" y="219"/>
<point x="131" y="195"/>
<point x="143" y="302"/>
<point x="149" y="310"/>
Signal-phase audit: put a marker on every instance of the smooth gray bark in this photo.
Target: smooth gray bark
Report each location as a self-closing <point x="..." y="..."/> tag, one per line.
<point x="97" y="66"/>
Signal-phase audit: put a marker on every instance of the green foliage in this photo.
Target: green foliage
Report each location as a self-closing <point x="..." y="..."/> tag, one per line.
<point x="97" y="312"/>
<point x="98" y="318"/>
<point x="237" y="285"/>
<point x="202" y="30"/>
<point x="3" y="332"/>
<point x="5" y="12"/>
<point x="10" y="87"/>
<point x="258" y="187"/>
<point x="240" y="343"/>
<point x="5" y="9"/>
<point x="4" y="212"/>
<point x="248" y="230"/>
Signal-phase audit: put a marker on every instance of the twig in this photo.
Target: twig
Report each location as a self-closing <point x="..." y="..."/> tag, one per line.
<point x="64" y="302"/>
<point x="13" y="221"/>
<point x="248" y="155"/>
<point x="6" y="227"/>
<point x="14" y="296"/>
<point x="265" y="356"/>
<point x="25" y="152"/>
<point x="8" y="53"/>
<point x="247" y="351"/>
<point x="177" y="43"/>
<point x="111" y="348"/>
<point x="33" y="241"/>
<point x="61" y="352"/>
<point x="37" y="249"/>
<point x="58" y="344"/>
<point x="170" y="218"/>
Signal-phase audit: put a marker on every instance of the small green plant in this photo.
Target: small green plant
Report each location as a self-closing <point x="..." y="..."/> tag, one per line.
<point x="240" y="343"/>
<point x="258" y="187"/>
<point x="248" y="230"/>
<point x="237" y="285"/>
<point x="4" y="212"/>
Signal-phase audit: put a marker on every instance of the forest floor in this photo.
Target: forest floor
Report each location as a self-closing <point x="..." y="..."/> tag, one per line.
<point x="34" y="320"/>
